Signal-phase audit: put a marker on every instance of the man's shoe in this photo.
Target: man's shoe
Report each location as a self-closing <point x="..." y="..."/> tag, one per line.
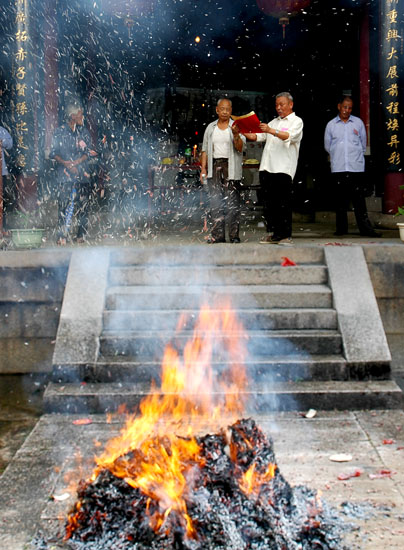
<point x="270" y="239"/>
<point x="235" y="240"/>
<point x="211" y="240"/>
<point x="286" y="242"/>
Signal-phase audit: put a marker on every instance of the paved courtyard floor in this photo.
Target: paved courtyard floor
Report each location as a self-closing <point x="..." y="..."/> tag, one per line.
<point x="58" y="453"/>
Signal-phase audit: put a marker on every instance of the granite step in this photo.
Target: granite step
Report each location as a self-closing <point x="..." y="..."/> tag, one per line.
<point x="246" y="253"/>
<point x="258" y="319"/>
<point x="190" y="275"/>
<point x="151" y="343"/>
<point x="179" y="297"/>
<point x="261" y="398"/>
<point x="277" y="368"/>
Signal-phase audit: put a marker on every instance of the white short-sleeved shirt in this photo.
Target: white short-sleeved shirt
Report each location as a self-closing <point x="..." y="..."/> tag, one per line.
<point x="281" y="156"/>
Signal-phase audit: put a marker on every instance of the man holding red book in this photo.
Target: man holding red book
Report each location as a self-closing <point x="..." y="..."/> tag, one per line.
<point x="221" y="169"/>
<point x="282" y="137"/>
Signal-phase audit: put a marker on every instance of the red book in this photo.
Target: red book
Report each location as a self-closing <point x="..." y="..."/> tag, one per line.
<point x="248" y="124"/>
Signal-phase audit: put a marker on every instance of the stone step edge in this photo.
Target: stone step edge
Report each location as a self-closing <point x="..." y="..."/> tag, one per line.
<point x="262" y="388"/>
<point x="68" y="398"/>
<point x="272" y="360"/>
<point x="285" y="333"/>
<point x="198" y="289"/>
<point x="245" y="289"/>
<point x="263" y="265"/>
<point x="236" y="311"/>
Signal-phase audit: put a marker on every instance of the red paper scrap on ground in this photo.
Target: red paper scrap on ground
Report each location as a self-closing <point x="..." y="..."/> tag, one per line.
<point x="82" y="421"/>
<point x="388" y="441"/>
<point x="382" y="473"/>
<point x="287" y="261"/>
<point x="344" y="476"/>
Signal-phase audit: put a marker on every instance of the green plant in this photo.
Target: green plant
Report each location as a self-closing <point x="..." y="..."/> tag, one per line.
<point x="400" y="210"/>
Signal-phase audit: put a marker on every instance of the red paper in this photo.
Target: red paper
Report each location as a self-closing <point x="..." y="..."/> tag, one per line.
<point x="248" y="124"/>
<point x="287" y="261"/>
<point x="382" y="473"/>
<point x="82" y="421"/>
<point x="344" y="476"/>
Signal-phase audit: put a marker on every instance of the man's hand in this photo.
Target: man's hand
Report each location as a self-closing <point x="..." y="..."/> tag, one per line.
<point x="70" y="165"/>
<point x="251" y="137"/>
<point x="235" y="129"/>
<point x="265" y="128"/>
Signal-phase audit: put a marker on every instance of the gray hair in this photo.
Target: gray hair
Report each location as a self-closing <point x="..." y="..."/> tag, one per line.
<point x="224" y="99"/>
<point x="72" y="109"/>
<point x="285" y="94"/>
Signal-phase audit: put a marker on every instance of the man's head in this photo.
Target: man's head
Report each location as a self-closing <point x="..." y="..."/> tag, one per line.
<point x="223" y="110"/>
<point x="345" y="107"/>
<point x="75" y="114"/>
<point x="284" y="104"/>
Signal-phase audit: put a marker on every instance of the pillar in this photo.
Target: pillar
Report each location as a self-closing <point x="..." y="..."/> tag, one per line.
<point x="364" y="75"/>
<point x="25" y="108"/>
<point x="391" y="69"/>
<point x="50" y="72"/>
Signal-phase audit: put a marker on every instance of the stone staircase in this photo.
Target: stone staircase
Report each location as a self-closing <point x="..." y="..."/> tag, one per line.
<point x="305" y="349"/>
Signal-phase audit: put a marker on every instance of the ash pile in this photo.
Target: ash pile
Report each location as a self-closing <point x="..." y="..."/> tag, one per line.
<point x="235" y="499"/>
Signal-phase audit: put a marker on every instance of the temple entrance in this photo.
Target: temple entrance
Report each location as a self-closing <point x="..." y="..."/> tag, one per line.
<point x="149" y="73"/>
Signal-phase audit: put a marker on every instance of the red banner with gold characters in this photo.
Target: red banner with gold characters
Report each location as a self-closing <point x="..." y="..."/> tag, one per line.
<point x="24" y="77"/>
<point x="391" y="68"/>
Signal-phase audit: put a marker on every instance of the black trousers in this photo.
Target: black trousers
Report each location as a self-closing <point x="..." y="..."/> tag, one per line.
<point x="80" y="212"/>
<point x="349" y="187"/>
<point x="9" y="200"/>
<point x="224" y="199"/>
<point x="276" y="194"/>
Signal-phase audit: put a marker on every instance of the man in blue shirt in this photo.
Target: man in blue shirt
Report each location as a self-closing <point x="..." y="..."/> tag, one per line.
<point x="345" y="141"/>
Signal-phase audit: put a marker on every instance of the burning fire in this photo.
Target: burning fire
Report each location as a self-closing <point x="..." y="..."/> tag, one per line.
<point x="251" y="481"/>
<point x="149" y="454"/>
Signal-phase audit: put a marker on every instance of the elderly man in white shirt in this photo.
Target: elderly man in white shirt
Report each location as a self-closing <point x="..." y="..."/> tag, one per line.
<point x="282" y="138"/>
<point x="221" y="169"/>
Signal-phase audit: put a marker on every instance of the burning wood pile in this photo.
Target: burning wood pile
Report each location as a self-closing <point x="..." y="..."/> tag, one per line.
<point x="234" y="498"/>
<point x="162" y="485"/>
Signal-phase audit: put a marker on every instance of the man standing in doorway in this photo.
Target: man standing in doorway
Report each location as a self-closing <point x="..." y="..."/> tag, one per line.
<point x="221" y="166"/>
<point x="278" y="166"/>
<point x="345" y="142"/>
<point x="71" y="149"/>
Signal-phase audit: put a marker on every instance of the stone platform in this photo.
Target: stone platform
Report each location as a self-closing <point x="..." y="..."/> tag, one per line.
<point x="58" y="452"/>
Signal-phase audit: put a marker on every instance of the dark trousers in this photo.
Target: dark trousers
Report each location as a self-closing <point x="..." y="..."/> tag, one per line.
<point x="349" y="187"/>
<point x="9" y="200"/>
<point x="224" y="198"/>
<point x="276" y="193"/>
<point x="80" y="212"/>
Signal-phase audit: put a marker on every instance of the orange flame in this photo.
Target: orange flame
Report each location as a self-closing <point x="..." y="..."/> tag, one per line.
<point x="251" y="481"/>
<point x="149" y="454"/>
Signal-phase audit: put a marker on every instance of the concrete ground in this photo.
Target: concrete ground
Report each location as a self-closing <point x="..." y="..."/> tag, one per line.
<point x="303" y="446"/>
<point x="58" y="453"/>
